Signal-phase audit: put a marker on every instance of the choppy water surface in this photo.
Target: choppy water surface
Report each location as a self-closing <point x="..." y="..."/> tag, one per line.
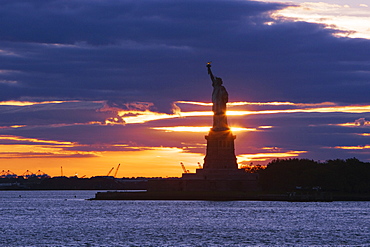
<point x="65" y="218"/>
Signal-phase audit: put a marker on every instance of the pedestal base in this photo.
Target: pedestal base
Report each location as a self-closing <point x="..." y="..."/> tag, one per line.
<point x="220" y="152"/>
<point x="220" y="180"/>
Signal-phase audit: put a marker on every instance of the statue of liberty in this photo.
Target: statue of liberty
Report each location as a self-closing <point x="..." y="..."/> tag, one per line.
<point x="219" y="99"/>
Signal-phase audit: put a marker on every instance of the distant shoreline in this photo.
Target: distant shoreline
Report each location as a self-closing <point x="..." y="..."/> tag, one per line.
<point x="228" y="196"/>
<point x="211" y="195"/>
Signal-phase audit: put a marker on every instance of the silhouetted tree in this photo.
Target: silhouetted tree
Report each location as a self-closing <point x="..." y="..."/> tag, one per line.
<point x="252" y="168"/>
<point x="348" y="176"/>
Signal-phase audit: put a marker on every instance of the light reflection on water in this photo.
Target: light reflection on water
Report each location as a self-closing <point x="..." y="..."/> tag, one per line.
<point x="65" y="218"/>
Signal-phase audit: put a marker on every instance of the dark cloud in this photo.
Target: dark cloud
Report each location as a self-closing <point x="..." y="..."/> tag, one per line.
<point x="154" y="51"/>
<point x="129" y="51"/>
<point x="107" y="22"/>
<point x="53" y="114"/>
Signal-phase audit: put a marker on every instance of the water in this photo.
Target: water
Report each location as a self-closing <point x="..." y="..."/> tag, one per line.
<point x="65" y="218"/>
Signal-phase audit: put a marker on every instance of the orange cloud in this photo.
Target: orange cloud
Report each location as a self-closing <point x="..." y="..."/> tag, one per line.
<point x="142" y="114"/>
<point x="28" y="103"/>
<point x="364" y="134"/>
<point x="12" y="127"/>
<point x="198" y="129"/>
<point x="41" y="151"/>
<point x="34" y="140"/>
<point x="135" y="117"/>
<point x="243" y="158"/>
<point x="241" y="103"/>
<point x="356" y="123"/>
<point x="149" y="161"/>
<point x="39" y="148"/>
<point x="353" y="147"/>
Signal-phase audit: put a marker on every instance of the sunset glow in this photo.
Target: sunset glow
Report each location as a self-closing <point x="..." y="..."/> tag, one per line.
<point x="136" y="117"/>
<point x="13" y="126"/>
<point x="266" y="156"/>
<point x="365" y="134"/>
<point x="15" y="147"/>
<point x="353" y="147"/>
<point x="357" y="123"/>
<point x="199" y="129"/>
<point x="34" y="140"/>
<point x="28" y="103"/>
<point x="40" y="151"/>
<point x="140" y="117"/>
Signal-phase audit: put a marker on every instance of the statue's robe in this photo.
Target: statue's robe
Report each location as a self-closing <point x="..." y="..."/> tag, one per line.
<point x="219" y="99"/>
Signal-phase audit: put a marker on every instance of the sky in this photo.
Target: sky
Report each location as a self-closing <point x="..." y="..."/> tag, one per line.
<point x="86" y="85"/>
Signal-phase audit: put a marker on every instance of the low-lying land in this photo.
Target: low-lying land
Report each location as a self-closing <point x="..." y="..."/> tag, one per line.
<point x="286" y="179"/>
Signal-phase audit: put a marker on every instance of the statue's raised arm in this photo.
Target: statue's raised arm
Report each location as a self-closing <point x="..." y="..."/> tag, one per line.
<point x="210" y="71"/>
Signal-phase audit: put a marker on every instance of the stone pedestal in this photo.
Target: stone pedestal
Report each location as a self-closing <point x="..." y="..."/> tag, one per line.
<point x="219" y="180"/>
<point x="220" y="152"/>
<point x="220" y="170"/>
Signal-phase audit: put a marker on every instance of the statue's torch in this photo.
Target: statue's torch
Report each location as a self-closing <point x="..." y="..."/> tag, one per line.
<point x="209" y="68"/>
